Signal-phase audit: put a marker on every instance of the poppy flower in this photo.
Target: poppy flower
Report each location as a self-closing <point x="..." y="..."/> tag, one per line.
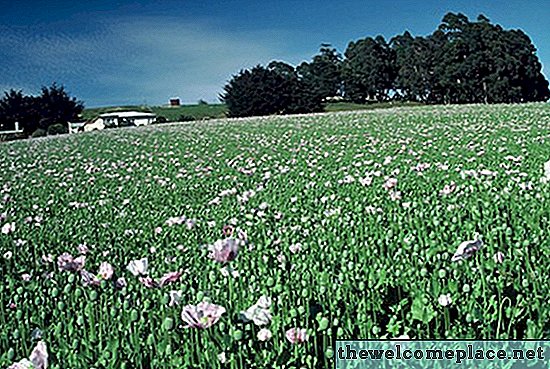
<point x="203" y="315"/>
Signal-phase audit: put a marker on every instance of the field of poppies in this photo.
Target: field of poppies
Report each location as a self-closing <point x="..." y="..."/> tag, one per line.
<point x="255" y="243"/>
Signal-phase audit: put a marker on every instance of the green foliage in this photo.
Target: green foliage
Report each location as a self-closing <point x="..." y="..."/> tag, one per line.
<point x="369" y="70"/>
<point x="53" y="105"/>
<point x="39" y="132"/>
<point x="469" y="62"/>
<point x="323" y="74"/>
<point x="172" y="114"/>
<point x="186" y="118"/>
<point x="460" y="62"/>
<point x="277" y="89"/>
<point x="161" y="119"/>
<point x="57" y="129"/>
<point x="372" y="262"/>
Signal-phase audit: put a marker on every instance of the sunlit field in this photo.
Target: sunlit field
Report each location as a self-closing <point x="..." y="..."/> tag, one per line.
<point x="255" y="243"/>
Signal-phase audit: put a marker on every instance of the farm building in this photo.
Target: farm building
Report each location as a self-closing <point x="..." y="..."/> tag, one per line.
<point x="75" y="127"/>
<point x="120" y="119"/>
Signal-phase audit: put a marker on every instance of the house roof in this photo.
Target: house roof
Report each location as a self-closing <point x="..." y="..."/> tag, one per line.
<point x="128" y="114"/>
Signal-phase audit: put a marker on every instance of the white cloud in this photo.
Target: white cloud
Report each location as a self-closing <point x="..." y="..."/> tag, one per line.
<point x="136" y="59"/>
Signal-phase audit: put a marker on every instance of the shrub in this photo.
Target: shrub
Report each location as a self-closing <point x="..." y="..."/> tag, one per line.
<point x="160" y="119"/>
<point x="39" y="133"/>
<point x="57" y="129"/>
<point x="186" y="118"/>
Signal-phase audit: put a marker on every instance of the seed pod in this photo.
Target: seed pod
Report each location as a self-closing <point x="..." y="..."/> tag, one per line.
<point x="323" y="324"/>
<point x="168" y="324"/>
<point x="237" y="335"/>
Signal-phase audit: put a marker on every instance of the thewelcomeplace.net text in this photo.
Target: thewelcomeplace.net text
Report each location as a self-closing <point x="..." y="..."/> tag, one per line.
<point x="458" y="355"/>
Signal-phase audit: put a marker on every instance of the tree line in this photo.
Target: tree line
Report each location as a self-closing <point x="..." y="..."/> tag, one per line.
<point x="462" y="61"/>
<point x="47" y="113"/>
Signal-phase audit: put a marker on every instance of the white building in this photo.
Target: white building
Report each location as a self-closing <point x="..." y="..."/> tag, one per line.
<point x="75" y="127"/>
<point x="120" y="119"/>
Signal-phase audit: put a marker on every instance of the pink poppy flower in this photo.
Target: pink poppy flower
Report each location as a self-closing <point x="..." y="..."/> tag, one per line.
<point x="203" y="315"/>
<point x="228" y="230"/>
<point x="175" y="298"/>
<point x="82" y="249"/>
<point x="294" y="248"/>
<point x="66" y="262"/>
<point x="8" y="228"/>
<point x="264" y="334"/>
<point x="89" y="279"/>
<point x="22" y="364"/>
<point x="448" y="189"/>
<point x="390" y="183"/>
<point x="147" y="282"/>
<point x="169" y="278"/>
<point x="39" y="356"/>
<point x="445" y="300"/>
<point x="224" y="250"/>
<point x="259" y="312"/>
<point x="121" y="282"/>
<point x="138" y="267"/>
<point x="105" y="271"/>
<point x="296" y="335"/>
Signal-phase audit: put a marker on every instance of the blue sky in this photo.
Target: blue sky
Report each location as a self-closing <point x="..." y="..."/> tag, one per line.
<point x="144" y="52"/>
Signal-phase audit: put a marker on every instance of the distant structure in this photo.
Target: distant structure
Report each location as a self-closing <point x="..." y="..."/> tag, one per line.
<point x="175" y="101"/>
<point x="16" y="129"/>
<point x="120" y="119"/>
<point x="75" y="127"/>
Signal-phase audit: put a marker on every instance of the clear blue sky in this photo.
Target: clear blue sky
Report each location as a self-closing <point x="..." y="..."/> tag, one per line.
<point x="135" y="52"/>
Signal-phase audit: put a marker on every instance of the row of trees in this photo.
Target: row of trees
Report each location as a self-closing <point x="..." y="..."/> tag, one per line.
<point x="460" y="62"/>
<point x="48" y="112"/>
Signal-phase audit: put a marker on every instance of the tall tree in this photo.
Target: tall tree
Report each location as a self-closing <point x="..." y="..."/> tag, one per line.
<point x="414" y="67"/>
<point x="17" y="107"/>
<point x="56" y="106"/>
<point x="369" y="70"/>
<point x="323" y="73"/>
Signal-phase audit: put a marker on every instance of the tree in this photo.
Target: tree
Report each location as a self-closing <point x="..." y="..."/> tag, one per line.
<point x="468" y="62"/>
<point x="414" y="67"/>
<point x="16" y="107"/>
<point x="56" y="105"/>
<point x="369" y="70"/>
<point x="323" y="74"/>
<point x="52" y="106"/>
<point x="276" y="89"/>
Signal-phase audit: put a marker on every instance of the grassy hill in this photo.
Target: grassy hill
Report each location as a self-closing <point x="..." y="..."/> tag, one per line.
<point x="212" y="111"/>
<point x="184" y="112"/>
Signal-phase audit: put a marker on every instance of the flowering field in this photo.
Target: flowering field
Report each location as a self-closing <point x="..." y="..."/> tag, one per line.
<point x="255" y="243"/>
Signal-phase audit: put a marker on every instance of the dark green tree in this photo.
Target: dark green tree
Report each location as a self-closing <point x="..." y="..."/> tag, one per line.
<point x="414" y="67"/>
<point x="276" y="89"/>
<point x="481" y="63"/>
<point x="16" y="107"/>
<point x="56" y="106"/>
<point x="323" y="73"/>
<point x="369" y="70"/>
<point x="52" y="106"/>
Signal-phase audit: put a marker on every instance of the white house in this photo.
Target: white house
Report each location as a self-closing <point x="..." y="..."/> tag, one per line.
<point x="75" y="127"/>
<point x="120" y="119"/>
<point x="95" y="125"/>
